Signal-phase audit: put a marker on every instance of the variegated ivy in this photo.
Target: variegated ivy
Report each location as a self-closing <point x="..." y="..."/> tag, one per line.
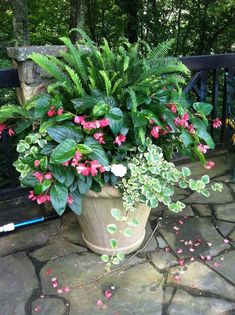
<point x="151" y="180"/>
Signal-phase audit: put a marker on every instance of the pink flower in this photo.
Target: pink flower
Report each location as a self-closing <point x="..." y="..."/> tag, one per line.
<point x="76" y="159"/>
<point x="41" y="199"/>
<point x="216" y="123"/>
<point x="36" y="163"/>
<point x="177" y="277"/>
<point x="31" y="195"/>
<point x="66" y="289"/>
<point x="209" y="165"/>
<point x="60" y="111"/>
<point x="2" y="127"/>
<point x="191" y="129"/>
<point x="99" y="303"/>
<point x="99" y="136"/>
<point x="94" y="166"/>
<point x="79" y="119"/>
<point x="83" y="169"/>
<point x="48" y="175"/>
<point x="51" y="111"/>
<point x="226" y="241"/>
<point x="102" y="169"/>
<point x="37" y="308"/>
<point x="104" y="122"/>
<point x="119" y="139"/>
<point x="66" y="163"/>
<point x="39" y="176"/>
<point x="55" y="284"/>
<point x="172" y="107"/>
<point x="181" y="262"/>
<point x="179" y="122"/>
<point x="70" y="199"/>
<point x="203" y="148"/>
<point x="155" y="131"/>
<point x="59" y="291"/>
<point x="151" y="121"/>
<point x="108" y="294"/>
<point x="11" y="132"/>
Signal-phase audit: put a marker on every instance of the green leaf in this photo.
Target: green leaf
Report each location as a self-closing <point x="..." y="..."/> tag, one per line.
<point x="28" y="181"/>
<point x="186" y="171"/>
<point x="64" y="151"/>
<point x="203" y="134"/>
<point x="113" y="243"/>
<point x="205" y="193"/>
<point x="112" y="228"/>
<point x="42" y="106"/>
<point x="203" y="108"/>
<point x="84" y="149"/>
<point x="115" y="117"/>
<point x="43" y="163"/>
<point x="205" y="179"/>
<point x="116" y="214"/>
<point x="59" y="197"/>
<point x="47" y="149"/>
<point x="61" y="133"/>
<point x="127" y="232"/>
<point x="138" y="119"/>
<point x="84" y="184"/>
<point x="135" y="222"/>
<point x="182" y="184"/>
<point x="41" y="187"/>
<point x="186" y="137"/>
<point x="98" y="152"/>
<point x="105" y="258"/>
<point x="54" y="120"/>
<point x="100" y="109"/>
<point x="85" y="102"/>
<point x="76" y="205"/>
<point x="121" y="256"/>
<point x="115" y="261"/>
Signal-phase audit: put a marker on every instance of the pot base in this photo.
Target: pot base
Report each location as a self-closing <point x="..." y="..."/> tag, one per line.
<point x="109" y="251"/>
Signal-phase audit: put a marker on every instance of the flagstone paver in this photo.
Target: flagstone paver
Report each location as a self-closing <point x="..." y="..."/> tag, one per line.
<point x="185" y="304"/>
<point x="152" y="283"/>
<point x="17" y="282"/>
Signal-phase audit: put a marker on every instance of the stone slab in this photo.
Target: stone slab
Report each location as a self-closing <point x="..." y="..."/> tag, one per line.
<point x="232" y="236"/>
<point x="215" y="197"/>
<point x="56" y="249"/>
<point x="152" y="243"/>
<point x="225" y="227"/>
<point x="225" y="212"/>
<point x="193" y="229"/>
<point x="48" y="306"/>
<point x="17" y="283"/>
<point x="186" y="304"/>
<point x="198" y="276"/>
<point x="29" y="237"/>
<point x="226" y="265"/>
<point x="132" y="294"/>
<point x="163" y="259"/>
<point x="202" y="209"/>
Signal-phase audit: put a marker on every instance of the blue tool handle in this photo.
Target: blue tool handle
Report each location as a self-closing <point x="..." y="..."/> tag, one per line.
<point x="29" y="222"/>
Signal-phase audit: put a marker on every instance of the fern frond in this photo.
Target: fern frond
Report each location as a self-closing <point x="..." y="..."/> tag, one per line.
<point x="158" y="52"/>
<point x="76" y="80"/>
<point x="60" y="85"/>
<point x="107" y="82"/>
<point x="12" y="111"/>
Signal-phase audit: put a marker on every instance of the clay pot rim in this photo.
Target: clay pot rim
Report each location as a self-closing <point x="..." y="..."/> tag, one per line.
<point x="106" y="192"/>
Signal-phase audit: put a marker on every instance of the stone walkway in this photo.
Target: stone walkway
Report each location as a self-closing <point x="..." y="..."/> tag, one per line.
<point x="187" y="268"/>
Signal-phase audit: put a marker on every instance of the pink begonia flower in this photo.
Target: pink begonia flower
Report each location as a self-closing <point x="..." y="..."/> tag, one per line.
<point x="51" y="111"/>
<point x="48" y="175"/>
<point x="119" y="139"/>
<point x="2" y="127"/>
<point x="104" y="122"/>
<point x="118" y="170"/>
<point x="11" y="132"/>
<point x="151" y="121"/>
<point x="172" y="107"/>
<point x="216" y="123"/>
<point x="76" y="159"/>
<point x="55" y="284"/>
<point x="60" y="111"/>
<point x="66" y="289"/>
<point x="41" y="199"/>
<point x="66" y="163"/>
<point x="102" y="169"/>
<point x="108" y="294"/>
<point x="181" y="262"/>
<point x="36" y="163"/>
<point x="89" y="125"/>
<point x="32" y="195"/>
<point x="191" y="129"/>
<point x="203" y="148"/>
<point x="83" y="169"/>
<point x="226" y="241"/>
<point x="209" y="165"/>
<point x="79" y="119"/>
<point x="99" y="136"/>
<point x="39" y="176"/>
<point x="99" y="303"/>
<point x="155" y="131"/>
<point x="179" y="122"/>
<point x="177" y="277"/>
<point x="94" y="166"/>
<point x="70" y="200"/>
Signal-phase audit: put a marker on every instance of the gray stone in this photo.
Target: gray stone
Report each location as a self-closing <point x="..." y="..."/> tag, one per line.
<point x="17" y="282"/>
<point x="48" y="306"/>
<point x="152" y="243"/>
<point x="215" y="197"/>
<point x="203" y="210"/>
<point x="133" y="294"/>
<point x="225" y="227"/>
<point x="232" y="236"/>
<point x="226" y="265"/>
<point x="225" y="212"/>
<point x="29" y="237"/>
<point x="58" y="248"/>
<point x="187" y="211"/>
<point x="22" y="53"/>
<point x="168" y="294"/>
<point x="71" y="232"/>
<point x="186" y="304"/>
<point x="193" y="229"/>
<point x="233" y="186"/>
<point x="163" y="259"/>
<point x="198" y="276"/>
<point x="224" y="178"/>
<point x="161" y="242"/>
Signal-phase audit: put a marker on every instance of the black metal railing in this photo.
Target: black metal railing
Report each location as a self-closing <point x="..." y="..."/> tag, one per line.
<point x="209" y="82"/>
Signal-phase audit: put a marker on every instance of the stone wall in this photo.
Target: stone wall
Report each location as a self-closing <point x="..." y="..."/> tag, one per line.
<point x="33" y="80"/>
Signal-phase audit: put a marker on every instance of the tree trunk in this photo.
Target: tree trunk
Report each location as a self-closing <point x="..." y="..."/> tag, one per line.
<point x="77" y="17"/>
<point x="20" y="21"/>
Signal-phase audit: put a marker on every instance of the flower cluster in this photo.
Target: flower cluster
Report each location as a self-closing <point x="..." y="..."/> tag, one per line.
<point x="10" y="131"/>
<point x="41" y="198"/>
<point x="53" y="111"/>
<point x="90" y="168"/>
<point x="89" y="125"/>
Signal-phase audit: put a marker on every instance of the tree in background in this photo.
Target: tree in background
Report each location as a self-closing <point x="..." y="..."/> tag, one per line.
<point x="20" y="21"/>
<point x="77" y="17"/>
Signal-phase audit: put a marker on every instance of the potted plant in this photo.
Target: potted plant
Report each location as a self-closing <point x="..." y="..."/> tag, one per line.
<point x="101" y="139"/>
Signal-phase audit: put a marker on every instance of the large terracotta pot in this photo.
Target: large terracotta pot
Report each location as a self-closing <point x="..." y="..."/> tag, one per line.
<point x="96" y="216"/>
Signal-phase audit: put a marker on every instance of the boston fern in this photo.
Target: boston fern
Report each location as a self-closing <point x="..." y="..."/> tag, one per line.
<point x="103" y="102"/>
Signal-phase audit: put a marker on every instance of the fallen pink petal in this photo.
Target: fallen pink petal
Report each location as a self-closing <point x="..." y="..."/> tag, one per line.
<point x="108" y="294"/>
<point x="59" y="291"/>
<point x="37" y="308"/>
<point x="226" y="241"/>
